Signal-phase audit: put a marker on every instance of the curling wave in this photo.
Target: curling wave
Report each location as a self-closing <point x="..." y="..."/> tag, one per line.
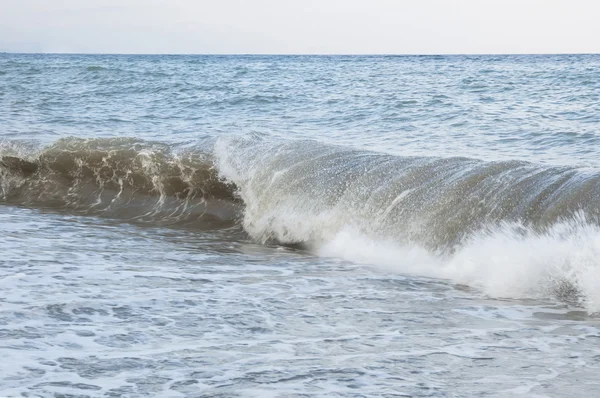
<point x="512" y="228"/>
<point x="302" y="191"/>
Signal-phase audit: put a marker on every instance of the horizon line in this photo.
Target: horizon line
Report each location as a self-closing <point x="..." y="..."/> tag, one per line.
<point x="300" y="54"/>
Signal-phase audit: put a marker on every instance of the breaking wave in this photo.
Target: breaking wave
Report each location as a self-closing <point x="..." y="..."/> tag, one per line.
<point x="511" y="228"/>
<point x="128" y="179"/>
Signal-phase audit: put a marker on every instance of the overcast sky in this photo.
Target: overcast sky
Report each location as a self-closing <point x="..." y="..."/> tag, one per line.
<point x="301" y="26"/>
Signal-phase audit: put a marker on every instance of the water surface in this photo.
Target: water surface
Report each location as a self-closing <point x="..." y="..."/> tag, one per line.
<point x="195" y="226"/>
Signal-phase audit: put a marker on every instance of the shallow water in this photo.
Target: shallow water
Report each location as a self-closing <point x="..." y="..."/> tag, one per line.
<point x="299" y="226"/>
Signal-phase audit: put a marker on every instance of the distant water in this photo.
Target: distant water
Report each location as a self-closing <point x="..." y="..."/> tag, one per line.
<point x="280" y="226"/>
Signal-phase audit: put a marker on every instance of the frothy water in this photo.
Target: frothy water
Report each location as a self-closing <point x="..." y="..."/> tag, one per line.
<point x="299" y="226"/>
<point x="513" y="229"/>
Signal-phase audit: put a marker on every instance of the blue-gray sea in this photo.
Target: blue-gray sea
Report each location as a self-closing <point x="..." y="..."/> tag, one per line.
<point x="299" y="226"/>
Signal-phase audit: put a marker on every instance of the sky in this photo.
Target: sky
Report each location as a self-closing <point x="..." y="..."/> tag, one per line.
<point x="300" y="26"/>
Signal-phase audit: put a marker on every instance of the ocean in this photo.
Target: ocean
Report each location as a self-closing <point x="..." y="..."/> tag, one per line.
<point x="299" y="226"/>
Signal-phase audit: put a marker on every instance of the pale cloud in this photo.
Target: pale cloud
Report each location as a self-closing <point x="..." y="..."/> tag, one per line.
<point x="301" y="26"/>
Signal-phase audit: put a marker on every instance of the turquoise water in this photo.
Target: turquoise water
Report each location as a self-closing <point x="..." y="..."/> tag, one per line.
<point x="299" y="225"/>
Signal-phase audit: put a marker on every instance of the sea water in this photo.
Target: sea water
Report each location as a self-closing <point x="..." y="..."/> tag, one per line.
<point x="281" y="226"/>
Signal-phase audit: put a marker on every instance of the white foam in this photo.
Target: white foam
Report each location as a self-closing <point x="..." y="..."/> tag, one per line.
<point x="507" y="260"/>
<point x="508" y="263"/>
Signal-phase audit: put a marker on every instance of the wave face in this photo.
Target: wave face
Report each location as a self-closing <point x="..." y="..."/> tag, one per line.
<point x="302" y="191"/>
<point x="512" y="228"/>
<point x="121" y="178"/>
<point x="515" y="229"/>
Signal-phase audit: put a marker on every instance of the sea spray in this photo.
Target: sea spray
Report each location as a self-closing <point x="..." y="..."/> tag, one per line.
<point x="512" y="229"/>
